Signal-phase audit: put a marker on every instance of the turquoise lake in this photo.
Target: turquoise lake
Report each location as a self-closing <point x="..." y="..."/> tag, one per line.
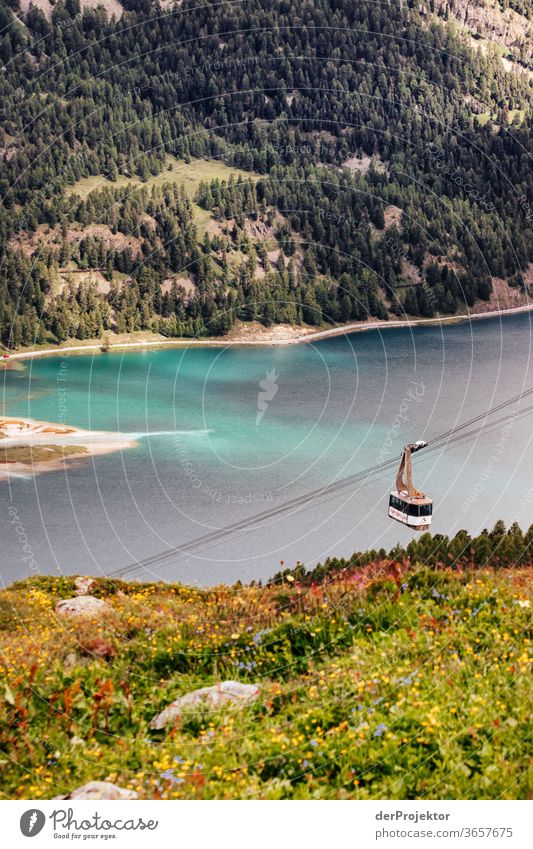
<point x="224" y="433"/>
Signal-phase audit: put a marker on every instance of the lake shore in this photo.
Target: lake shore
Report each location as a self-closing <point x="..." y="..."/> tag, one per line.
<point x="29" y="447"/>
<point x="255" y="335"/>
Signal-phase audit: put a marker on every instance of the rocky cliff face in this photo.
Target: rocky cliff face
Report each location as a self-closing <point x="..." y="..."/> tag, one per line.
<point x="486" y="19"/>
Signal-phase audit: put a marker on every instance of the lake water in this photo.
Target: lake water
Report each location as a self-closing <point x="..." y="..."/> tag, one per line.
<point x="226" y="432"/>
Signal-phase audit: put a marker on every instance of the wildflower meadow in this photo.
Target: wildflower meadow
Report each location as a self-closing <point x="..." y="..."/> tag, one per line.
<point x="379" y="678"/>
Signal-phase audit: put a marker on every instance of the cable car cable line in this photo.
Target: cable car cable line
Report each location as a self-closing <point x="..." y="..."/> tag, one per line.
<point x="329" y="496"/>
<point x="301" y="501"/>
<point x="439" y="442"/>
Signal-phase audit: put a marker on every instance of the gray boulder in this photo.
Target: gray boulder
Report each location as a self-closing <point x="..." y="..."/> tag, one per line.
<point x="219" y="694"/>
<point x="97" y="790"/>
<point x="83" y="606"/>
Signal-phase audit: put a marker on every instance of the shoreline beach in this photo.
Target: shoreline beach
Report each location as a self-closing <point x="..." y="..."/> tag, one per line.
<point x="279" y="335"/>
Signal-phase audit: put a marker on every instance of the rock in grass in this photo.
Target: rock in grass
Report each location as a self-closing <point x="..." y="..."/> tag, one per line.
<point x="83" y="606"/>
<point x="83" y="584"/>
<point x="215" y="696"/>
<point x="96" y="790"/>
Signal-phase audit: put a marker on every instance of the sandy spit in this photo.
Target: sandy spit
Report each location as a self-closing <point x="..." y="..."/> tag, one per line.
<point x="31" y="434"/>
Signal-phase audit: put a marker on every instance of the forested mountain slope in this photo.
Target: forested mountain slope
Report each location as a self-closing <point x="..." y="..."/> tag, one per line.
<point x="382" y="165"/>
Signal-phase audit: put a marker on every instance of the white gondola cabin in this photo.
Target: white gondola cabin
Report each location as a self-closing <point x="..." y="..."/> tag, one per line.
<point x="406" y="504"/>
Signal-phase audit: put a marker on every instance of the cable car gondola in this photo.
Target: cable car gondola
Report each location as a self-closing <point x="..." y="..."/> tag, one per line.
<point x="406" y="504"/>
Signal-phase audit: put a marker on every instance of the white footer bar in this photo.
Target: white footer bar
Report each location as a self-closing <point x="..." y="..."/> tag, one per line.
<point x="264" y="825"/>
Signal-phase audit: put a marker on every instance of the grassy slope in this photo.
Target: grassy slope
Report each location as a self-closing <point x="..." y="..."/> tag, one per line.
<point x="366" y="692"/>
<point x="186" y="174"/>
<point x="190" y="175"/>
